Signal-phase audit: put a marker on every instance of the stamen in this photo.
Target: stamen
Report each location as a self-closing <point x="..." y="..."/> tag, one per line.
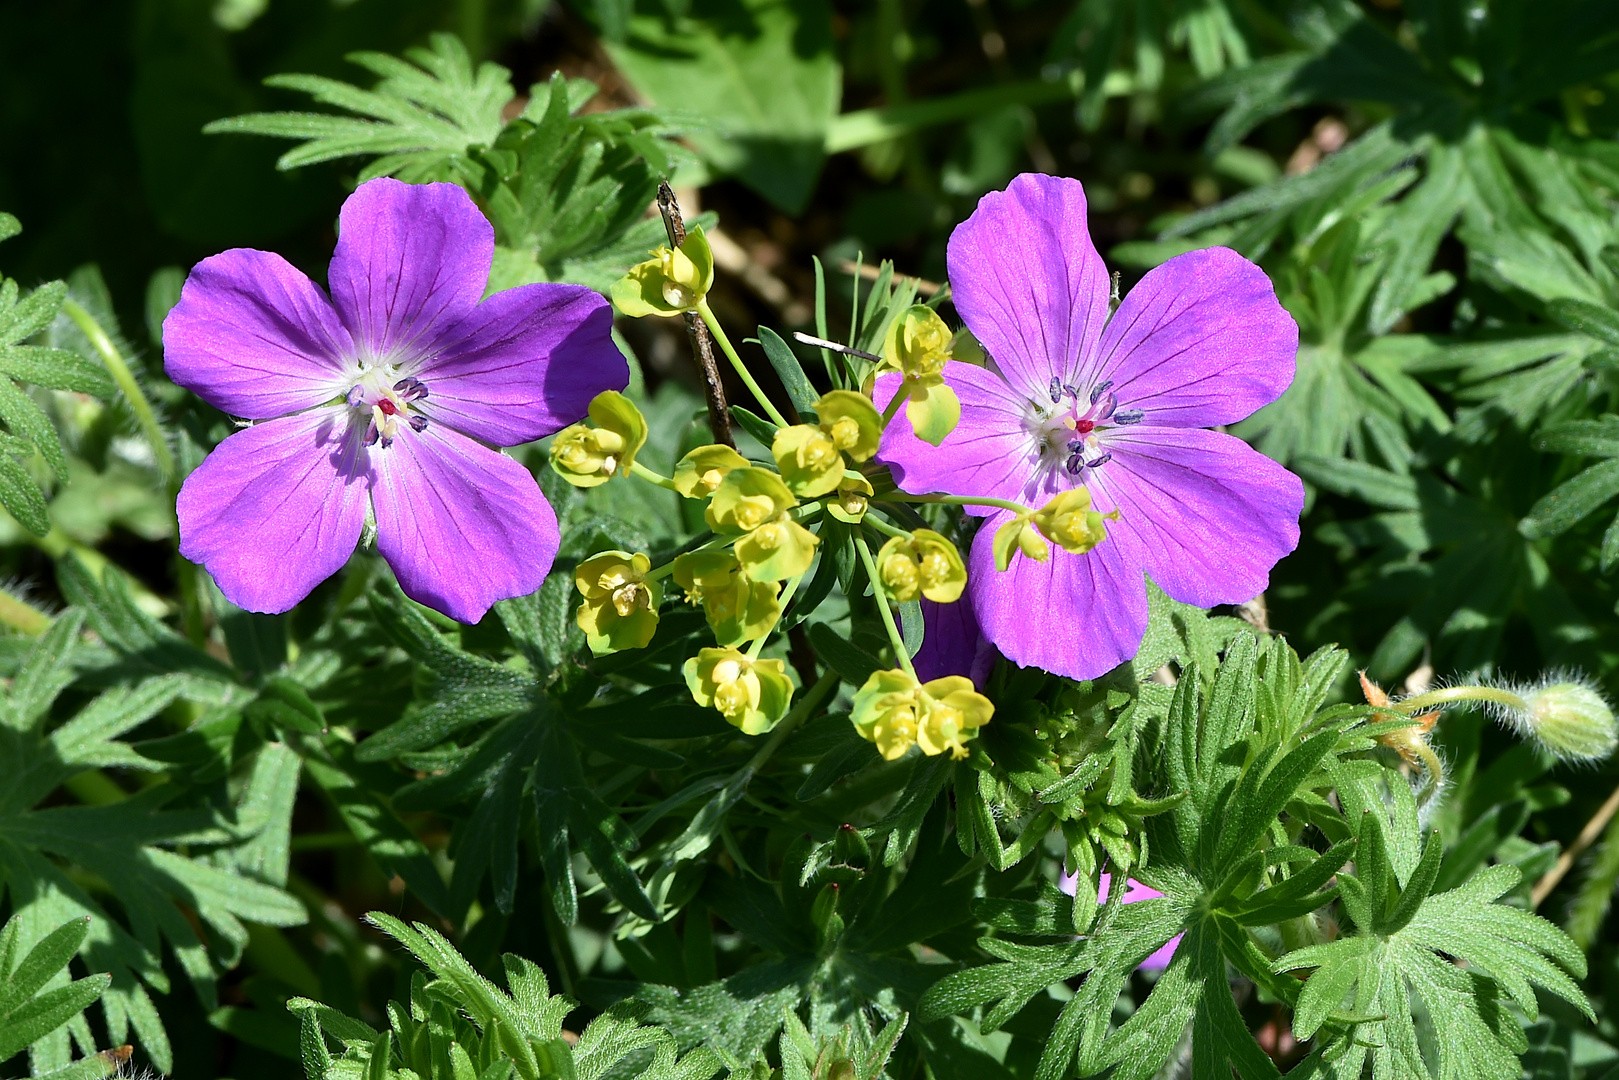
<point x="1074" y="464"/>
<point x="1076" y="446"/>
<point x="418" y="423"/>
<point x="356" y="396"/>
<point x="1105" y="409"/>
<point x="371" y="434"/>
<point x="1071" y="390"/>
<point x="1055" y="389"/>
<point x="1099" y="462"/>
<point x="1130" y="416"/>
<point x="410" y="388"/>
<point x="1101" y="388"/>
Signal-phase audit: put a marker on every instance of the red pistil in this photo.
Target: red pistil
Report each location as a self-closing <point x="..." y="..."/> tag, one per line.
<point x="1084" y="427"/>
<point x="390" y="409"/>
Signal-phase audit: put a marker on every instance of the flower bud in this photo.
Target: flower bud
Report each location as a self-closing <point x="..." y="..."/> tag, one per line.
<point x="620" y="608"/>
<point x="669" y="283"/>
<point x="738" y="609"/>
<point x="893" y="711"/>
<point x="752" y="695"/>
<point x="1068" y="521"/>
<point x="1018" y="534"/>
<point x="747" y="498"/>
<point x="926" y="564"/>
<point x="586" y="456"/>
<point x="699" y="473"/>
<point x="1569" y="717"/>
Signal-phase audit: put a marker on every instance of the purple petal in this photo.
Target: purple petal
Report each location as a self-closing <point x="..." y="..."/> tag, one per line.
<point x="524" y="364"/>
<point x="411" y="259"/>
<point x="1200" y="341"/>
<point x="276" y="508"/>
<point x="1075" y="615"/>
<point x="991" y="451"/>
<point x="461" y="525"/>
<point x="254" y="337"/>
<point x="952" y="643"/>
<point x="1028" y="282"/>
<point x="1206" y="515"/>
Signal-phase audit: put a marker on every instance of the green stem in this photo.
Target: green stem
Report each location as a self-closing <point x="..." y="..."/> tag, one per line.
<point x="799" y="713"/>
<point x="718" y="333"/>
<point x="651" y="477"/>
<point x="901" y="396"/>
<point x="708" y="545"/>
<point x="787" y="591"/>
<point x="1448" y="694"/>
<point x="119" y="369"/>
<point x="884" y="527"/>
<point x="900" y="652"/>
<point x="22" y="617"/>
<point x="958" y="500"/>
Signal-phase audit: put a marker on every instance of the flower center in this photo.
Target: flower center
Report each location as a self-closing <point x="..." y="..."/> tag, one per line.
<point x="389" y="406"/>
<point x="1071" y="431"/>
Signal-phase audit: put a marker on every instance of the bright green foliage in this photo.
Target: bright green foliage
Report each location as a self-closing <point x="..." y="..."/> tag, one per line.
<point x="37" y="999"/>
<point x="28" y="428"/>
<point x="458" y="1025"/>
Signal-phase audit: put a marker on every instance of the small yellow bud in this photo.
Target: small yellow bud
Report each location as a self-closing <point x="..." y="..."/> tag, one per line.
<point x="1069" y="521"/>
<point x="810" y="456"/>
<point x="586" y="456"/>
<point x="669" y="283"/>
<point x="853" y="497"/>
<point x="620" y="608"/>
<point x="924" y="563"/>
<point x="699" y="473"/>
<point x="738" y="608"/>
<point x="918" y="343"/>
<point x="954" y="713"/>
<point x="746" y="498"/>
<point x="752" y="695"/>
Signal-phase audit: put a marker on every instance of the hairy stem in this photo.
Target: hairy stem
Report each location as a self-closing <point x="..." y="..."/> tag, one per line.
<point x="125" y="378"/>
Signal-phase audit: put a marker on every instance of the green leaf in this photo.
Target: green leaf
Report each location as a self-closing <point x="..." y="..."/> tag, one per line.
<point x="790" y="371"/>
<point x="760" y="75"/>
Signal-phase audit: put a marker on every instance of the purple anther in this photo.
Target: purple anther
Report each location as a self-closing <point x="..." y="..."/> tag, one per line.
<point x="1071" y="390"/>
<point x="1055" y="389"/>
<point x="1076" y="446"/>
<point x="410" y="388"/>
<point x="1104" y="410"/>
<point x="355" y="396"/>
<point x="1129" y="416"/>
<point x="371" y="434"/>
<point x="1074" y="464"/>
<point x="1099" y="462"/>
<point x="1099" y="390"/>
<point x="418" y="423"/>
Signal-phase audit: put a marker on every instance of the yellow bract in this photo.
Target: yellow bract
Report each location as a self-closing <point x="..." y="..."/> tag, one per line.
<point x="894" y="712"/>
<point x="753" y="503"/>
<point x="918" y="347"/>
<point x="810" y="456"/>
<point x="1069" y="521"/>
<point x="924" y="563"/>
<point x="669" y="283"/>
<point x="586" y="456"/>
<point x="854" y="496"/>
<point x="751" y="694"/>
<point x="620" y="608"/>
<point x="1019" y="534"/>
<point x="738" y="608"/>
<point x="699" y="473"/>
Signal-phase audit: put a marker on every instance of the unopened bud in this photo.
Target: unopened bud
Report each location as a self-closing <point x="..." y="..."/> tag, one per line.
<point x="1570" y="718"/>
<point x="673" y="281"/>
<point x="586" y="456"/>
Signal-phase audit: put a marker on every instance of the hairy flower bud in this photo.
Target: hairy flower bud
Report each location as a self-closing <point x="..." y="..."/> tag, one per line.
<point x="738" y="608"/>
<point x="751" y="694"/>
<point x="671" y="282"/>
<point x="586" y="456"/>
<point x="925" y="564"/>
<point x="699" y="473"/>
<point x="893" y="711"/>
<point x="620" y="608"/>
<point x="1567" y="716"/>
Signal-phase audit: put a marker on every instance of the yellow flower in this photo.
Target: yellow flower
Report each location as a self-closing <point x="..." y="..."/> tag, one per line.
<point x="698" y="474"/>
<point x="1019" y="534"/>
<point x="893" y="711"/>
<point x="751" y="694"/>
<point x="923" y="563"/>
<point x="620" y="609"/>
<point x="669" y="283"/>
<point x="586" y="456"/>
<point x="918" y="347"/>
<point x="1069" y="521"/>
<point x="738" y="609"/>
<point x="752" y="503"/>
<point x="810" y="456"/>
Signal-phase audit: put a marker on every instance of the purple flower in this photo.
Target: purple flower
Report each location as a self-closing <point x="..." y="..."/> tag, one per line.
<point x="1133" y="891"/>
<point x="952" y="644"/>
<point x="383" y="401"/>
<point x="1118" y="405"/>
